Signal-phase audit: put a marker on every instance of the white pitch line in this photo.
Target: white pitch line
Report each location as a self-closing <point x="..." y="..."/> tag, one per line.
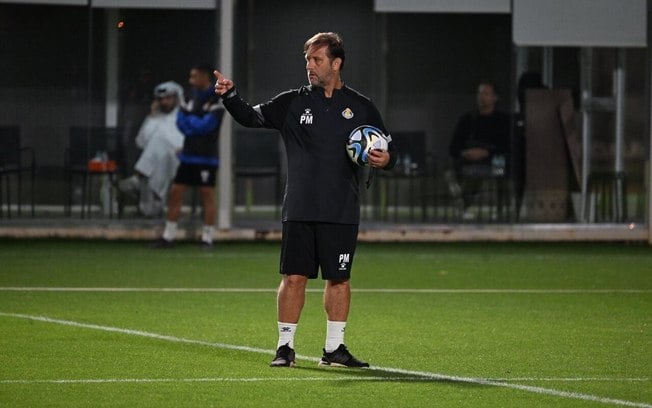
<point x="216" y="379"/>
<point x="115" y="289"/>
<point x="290" y="379"/>
<point x="423" y="374"/>
<point x="312" y="290"/>
<point x="573" y="379"/>
<point x="521" y="387"/>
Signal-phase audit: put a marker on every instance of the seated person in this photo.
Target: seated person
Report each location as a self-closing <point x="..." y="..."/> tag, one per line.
<point x="160" y="140"/>
<point x="480" y="137"/>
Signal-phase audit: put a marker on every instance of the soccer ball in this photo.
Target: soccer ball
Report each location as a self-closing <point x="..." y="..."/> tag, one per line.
<point x="362" y="140"/>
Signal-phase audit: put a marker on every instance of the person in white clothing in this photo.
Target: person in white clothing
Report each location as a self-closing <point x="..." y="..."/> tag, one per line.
<point x="160" y="140"/>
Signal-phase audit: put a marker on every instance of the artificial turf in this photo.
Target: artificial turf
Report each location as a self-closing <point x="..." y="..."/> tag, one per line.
<point x="464" y="325"/>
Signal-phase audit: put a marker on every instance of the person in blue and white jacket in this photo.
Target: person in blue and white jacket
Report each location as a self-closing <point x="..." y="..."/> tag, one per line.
<point x="199" y="120"/>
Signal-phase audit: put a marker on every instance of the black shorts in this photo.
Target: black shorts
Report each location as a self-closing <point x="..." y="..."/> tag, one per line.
<point x="196" y="175"/>
<point x="309" y="246"/>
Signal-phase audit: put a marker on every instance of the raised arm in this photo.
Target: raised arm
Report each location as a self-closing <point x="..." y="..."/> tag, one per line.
<point x="242" y="112"/>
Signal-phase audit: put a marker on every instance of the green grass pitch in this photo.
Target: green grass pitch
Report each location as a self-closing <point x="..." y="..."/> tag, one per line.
<point x="95" y="323"/>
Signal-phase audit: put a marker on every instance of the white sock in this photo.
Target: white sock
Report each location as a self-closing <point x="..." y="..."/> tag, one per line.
<point x="334" y="335"/>
<point x="170" y="231"/>
<point x="286" y="334"/>
<point x="207" y="234"/>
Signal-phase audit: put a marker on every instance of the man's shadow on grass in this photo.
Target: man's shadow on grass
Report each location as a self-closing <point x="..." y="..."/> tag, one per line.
<point x="344" y="375"/>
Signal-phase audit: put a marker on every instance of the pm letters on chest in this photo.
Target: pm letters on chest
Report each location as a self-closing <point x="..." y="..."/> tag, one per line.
<point x="306" y="117"/>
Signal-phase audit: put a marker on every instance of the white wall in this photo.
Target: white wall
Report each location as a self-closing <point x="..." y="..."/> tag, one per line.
<point x="583" y="23"/>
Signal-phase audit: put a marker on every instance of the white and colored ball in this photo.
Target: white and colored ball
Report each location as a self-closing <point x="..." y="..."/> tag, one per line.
<point x="362" y="140"/>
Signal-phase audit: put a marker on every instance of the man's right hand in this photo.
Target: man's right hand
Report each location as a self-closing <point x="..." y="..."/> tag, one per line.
<point x="222" y="85"/>
<point x="153" y="108"/>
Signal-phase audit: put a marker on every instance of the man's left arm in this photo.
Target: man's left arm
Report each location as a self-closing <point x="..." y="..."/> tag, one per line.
<point x="381" y="159"/>
<point x="503" y="131"/>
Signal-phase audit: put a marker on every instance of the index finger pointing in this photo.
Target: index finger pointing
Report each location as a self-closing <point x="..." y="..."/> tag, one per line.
<point x="218" y="75"/>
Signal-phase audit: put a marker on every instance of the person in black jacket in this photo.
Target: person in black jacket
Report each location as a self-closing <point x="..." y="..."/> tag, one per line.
<point x="199" y="120"/>
<point x="480" y="136"/>
<point x="321" y="209"/>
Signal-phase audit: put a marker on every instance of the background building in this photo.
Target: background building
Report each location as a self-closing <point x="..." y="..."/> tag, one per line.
<point x="93" y="63"/>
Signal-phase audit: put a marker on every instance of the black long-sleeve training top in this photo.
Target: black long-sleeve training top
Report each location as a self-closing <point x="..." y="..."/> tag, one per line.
<point x="322" y="182"/>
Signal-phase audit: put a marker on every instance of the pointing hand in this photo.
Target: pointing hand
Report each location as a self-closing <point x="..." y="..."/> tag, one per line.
<point x="222" y="85"/>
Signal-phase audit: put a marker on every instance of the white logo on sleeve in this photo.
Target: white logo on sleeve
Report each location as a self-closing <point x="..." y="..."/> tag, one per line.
<point x="306" y="117"/>
<point x="344" y="260"/>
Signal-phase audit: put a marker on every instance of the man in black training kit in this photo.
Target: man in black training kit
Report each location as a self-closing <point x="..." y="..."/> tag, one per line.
<point x="321" y="211"/>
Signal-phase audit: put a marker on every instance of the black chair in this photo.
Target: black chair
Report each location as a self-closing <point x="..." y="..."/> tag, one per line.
<point x="15" y="160"/>
<point x="258" y="155"/>
<point x="412" y="167"/>
<point x="486" y="185"/>
<point x="84" y="144"/>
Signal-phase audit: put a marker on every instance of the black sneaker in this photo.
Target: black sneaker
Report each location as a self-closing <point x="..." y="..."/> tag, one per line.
<point x="206" y="246"/>
<point x="162" y="244"/>
<point x="341" y="357"/>
<point x="284" y="357"/>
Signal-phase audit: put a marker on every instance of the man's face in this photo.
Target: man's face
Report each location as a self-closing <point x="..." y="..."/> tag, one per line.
<point x="321" y="70"/>
<point x="199" y="80"/>
<point x="167" y="103"/>
<point x="486" y="96"/>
